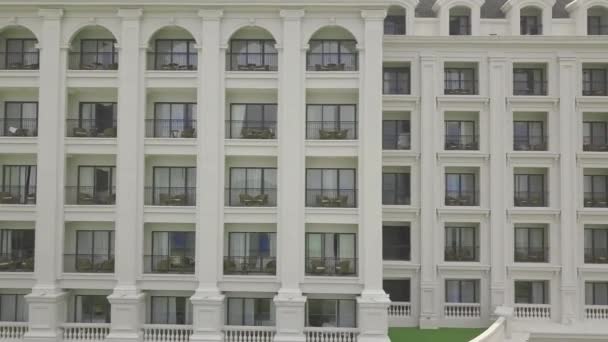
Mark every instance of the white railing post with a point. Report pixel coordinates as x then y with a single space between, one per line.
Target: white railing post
12 331
248 333
85 332
596 311
331 334
166 332
400 309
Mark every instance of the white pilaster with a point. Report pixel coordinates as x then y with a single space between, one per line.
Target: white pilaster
47 302
289 302
208 302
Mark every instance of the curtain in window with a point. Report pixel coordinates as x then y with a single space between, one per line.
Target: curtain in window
452 291
347 309
346 245
469 292
538 292
314 246
237 116
8 308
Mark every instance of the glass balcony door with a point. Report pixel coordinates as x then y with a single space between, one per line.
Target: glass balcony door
91 309
460 189
174 185
531 292
331 187
594 82
396 135
16 243
530 25
250 312
462 291
596 190
252 186
331 253
251 253
528 81
398 290
337 313
98 54
13 308
172 252
396 81
596 293
253 121
460 135
530 244
596 245
96 185
174 120
529 190
331 121
528 135
96 119
396 188
21 54
170 310
460 81
461 244
332 55
396 243
460 25
175 54
19 184
252 55
595 136
94 251
20 118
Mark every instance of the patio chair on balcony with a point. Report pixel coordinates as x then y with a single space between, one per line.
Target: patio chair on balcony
105 266
317 266
270 267
109 132
84 265
8 198
253 201
344 267
85 198
326 201
326 134
229 266
172 200
7 264
187 133
257 133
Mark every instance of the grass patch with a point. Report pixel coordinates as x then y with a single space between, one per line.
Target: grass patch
429 335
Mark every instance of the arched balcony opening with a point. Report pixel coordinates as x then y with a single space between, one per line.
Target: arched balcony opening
597 20
394 23
252 49
460 21
530 21
332 48
93 48
172 48
18 49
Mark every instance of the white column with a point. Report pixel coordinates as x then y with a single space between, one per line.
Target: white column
373 302
289 302
475 20
126 300
429 71
499 143
208 302
570 194
47 301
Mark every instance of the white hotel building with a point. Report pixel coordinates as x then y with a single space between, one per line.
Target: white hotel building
257 171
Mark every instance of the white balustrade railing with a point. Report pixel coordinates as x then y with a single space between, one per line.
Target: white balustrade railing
462 310
532 311
331 334
400 309
495 333
93 332
233 333
596 311
12 331
167 332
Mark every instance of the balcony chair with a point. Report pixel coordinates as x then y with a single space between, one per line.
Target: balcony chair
229 266
80 132
8 198
7 264
328 134
187 133
105 266
84 265
257 133
253 201
317 266
344 267
163 265
331 202
85 198
109 132
270 267
30 198
172 200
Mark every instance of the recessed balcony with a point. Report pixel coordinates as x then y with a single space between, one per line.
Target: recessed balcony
17 250
19 184
19 49
93 48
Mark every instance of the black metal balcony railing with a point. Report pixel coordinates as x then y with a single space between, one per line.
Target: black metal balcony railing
394 27
170 128
17 194
460 87
327 61
530 30
530 199
89 195
250 265
596 255
172 61
19 60
530 143
236 61
461 253
12 262
530 87
331 198
322 266
395 197
25 127
595 199
88 263
324 130
251 197
595 30
91 128
93 61
461 142
180 264
401 141
170 196
531 254
399 252
396 87
251 129
461 198
595 144
595 88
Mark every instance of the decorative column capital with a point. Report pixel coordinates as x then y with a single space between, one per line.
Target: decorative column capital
130 13
373 14
51 13
211 14
292 14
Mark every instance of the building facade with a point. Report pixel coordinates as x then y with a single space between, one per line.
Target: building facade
301 171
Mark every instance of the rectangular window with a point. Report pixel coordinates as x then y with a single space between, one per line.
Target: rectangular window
528 81
331 253
98 118
13 308
461 244
21 54
460 81
595 136
396 243
594 82
596 245
531 292
17 243
394 25
396 135
529 136
530 25
252 186
529 190
91 309
460 25
460 189
396 188
98 54
19 184
331 313
170 310
174 186
594 25
332 55
250 312
251 253
331 187
398 290
396 81
252 121
530 244
331 122
175 54
596 293
96 185
595 190
462 291
460 135
174 120
252 55
20 118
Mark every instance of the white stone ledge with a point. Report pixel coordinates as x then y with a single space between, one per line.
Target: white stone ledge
532 158
251 147
19 78
463 212
399 157
250 283
171 79
332 80
252 80
332 215
592 159
591 103
332 148
17 280
92 79
90 213
88 146
393 268
462 102
533 269
250 215
18 212
88 281
342 285
463 157
399 213
463 268
15 145
169 214
533 215
170 146
168 282
400 102
544 103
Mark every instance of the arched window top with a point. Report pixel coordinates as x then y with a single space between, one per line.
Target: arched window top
93 47
252 48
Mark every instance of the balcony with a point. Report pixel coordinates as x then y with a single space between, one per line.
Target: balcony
79 332
93 61
257 265
29 60
596 255
17 263
251 197
330 334
596 199
331 130
88 263
461 253
461 198
530 87
18 194
166 332
170 128
400 309
530 143
462 310
396 252
91 128
460 87
173 61
250 61
174 264
531 254
13 331
345 61
19 127
532 311
596 312
595 88
170 196
89 195
233 333
250 129
394 24
331 198
530 199
325 266
595 144
461 142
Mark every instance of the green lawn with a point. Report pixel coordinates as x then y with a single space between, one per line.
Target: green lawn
428 335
